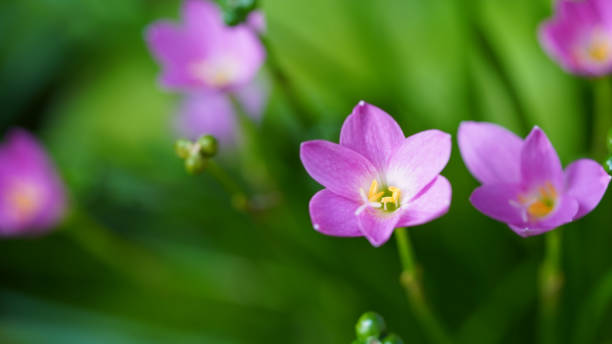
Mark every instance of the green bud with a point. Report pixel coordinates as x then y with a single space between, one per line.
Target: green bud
208 146
195 164
608 164
183 148
392 338
370 324
236 11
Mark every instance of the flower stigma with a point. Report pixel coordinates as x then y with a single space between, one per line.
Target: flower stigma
388 199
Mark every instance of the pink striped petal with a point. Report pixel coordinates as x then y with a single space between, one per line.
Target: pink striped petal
371 132
334 215
586 181
340 169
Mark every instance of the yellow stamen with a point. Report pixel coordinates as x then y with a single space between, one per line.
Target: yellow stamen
599 51
544 202
24 199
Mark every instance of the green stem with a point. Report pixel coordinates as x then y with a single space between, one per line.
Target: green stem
412 284
551 281
239 197
285 85
602 120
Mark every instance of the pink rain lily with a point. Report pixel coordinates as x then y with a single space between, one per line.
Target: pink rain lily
524 184
31 193
204 53
376 179
579 37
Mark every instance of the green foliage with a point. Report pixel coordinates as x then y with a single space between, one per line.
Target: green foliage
163 257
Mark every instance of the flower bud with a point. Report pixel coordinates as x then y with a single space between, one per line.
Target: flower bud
208 146
369 325
195 164
392 338
236 11
183 148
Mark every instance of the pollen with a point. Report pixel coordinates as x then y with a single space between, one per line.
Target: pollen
388 199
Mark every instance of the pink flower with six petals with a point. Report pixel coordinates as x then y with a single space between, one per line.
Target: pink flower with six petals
376 179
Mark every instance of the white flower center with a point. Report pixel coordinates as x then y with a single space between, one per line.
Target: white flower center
216 72
387 200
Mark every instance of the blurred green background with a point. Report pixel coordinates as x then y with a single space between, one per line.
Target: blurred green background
151 255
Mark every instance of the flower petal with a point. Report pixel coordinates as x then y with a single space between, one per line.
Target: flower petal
586 181
540 162
431 203
334 215
371 132
208 113
340 169
491 152
564 213
174 49
419 159
496 201
376 226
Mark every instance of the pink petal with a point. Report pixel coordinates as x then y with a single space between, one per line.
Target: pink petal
539 162
586 181
430 204
371 132
496 201
340 169
417 161
490 152
377 226
334 215
208 113
174 50
203 17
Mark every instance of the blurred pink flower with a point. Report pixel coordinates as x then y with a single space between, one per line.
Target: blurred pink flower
524 184
32 196
213 113
579 36
204 53
376 179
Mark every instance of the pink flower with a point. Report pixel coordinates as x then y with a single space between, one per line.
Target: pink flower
31 193
203 53
376 179
524 184
579 37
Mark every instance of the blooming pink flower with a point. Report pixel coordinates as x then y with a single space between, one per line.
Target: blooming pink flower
203 52
31 193
376 179
524 184
579 37
213 113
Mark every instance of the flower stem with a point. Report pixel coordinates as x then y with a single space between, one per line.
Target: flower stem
602 119
411 282
551 280
284 83
238 197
